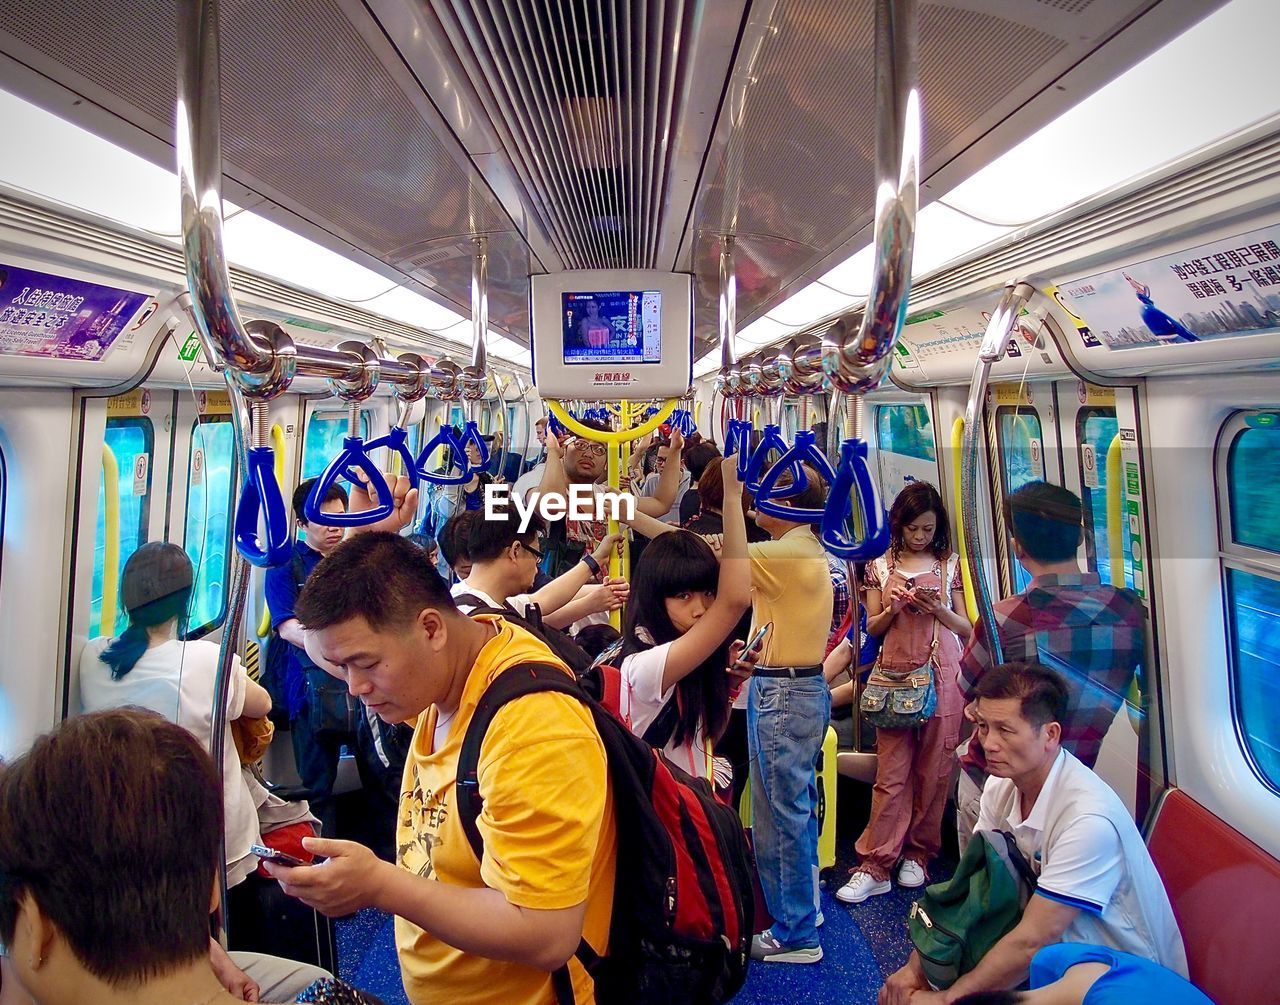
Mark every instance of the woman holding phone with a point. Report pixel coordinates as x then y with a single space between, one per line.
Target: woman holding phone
675 653
915 603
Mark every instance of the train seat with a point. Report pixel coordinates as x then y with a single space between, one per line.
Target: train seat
1225 891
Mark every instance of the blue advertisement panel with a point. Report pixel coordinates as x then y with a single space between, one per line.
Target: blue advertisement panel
1225 289
59 318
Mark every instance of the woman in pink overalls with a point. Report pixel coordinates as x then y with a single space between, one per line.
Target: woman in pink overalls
919 620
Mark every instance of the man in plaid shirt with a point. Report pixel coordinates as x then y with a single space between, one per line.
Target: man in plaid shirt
1094 635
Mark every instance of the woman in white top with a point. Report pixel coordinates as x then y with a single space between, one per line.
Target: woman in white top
150 666
684 606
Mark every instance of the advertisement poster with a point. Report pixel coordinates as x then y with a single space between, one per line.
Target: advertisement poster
1226 289
43 315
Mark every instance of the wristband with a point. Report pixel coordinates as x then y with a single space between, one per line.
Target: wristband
592 564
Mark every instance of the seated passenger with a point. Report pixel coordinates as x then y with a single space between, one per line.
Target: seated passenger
150 666
675 652
1093 634
1072 973
109 851
915 604
504 565
1097 883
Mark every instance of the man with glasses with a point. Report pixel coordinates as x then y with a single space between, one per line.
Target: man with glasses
504 562
583 462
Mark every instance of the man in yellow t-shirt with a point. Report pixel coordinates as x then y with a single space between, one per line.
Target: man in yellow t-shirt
467 930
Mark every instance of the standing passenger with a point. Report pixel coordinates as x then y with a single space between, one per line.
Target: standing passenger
914 602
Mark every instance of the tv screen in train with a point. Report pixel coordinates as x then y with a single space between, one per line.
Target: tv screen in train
615 326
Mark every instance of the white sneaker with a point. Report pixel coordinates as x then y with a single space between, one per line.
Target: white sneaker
821 919
911 875
862 885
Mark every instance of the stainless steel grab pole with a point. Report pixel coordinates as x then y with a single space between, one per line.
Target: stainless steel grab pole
856 361
991 350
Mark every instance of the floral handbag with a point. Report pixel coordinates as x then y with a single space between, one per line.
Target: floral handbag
901 699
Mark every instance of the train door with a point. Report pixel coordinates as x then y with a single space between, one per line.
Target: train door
124 468
1022 430
906 445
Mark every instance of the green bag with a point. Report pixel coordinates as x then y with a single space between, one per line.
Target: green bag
957 922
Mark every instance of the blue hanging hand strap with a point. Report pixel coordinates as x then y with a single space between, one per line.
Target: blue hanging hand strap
682 420
397 442
804 451
773 443
260 497
556 427
737 442
345 465
455 456
471 434
853 485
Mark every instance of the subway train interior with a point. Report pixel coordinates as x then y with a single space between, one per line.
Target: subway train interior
973 243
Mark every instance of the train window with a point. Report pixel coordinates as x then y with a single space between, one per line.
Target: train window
1098 428
906 430
209 485
1254 605
4 485
1021 444
323 442
1253 594
128 450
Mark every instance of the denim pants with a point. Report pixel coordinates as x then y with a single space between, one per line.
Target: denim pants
786 721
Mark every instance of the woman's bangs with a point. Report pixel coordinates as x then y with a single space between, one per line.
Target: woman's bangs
682 562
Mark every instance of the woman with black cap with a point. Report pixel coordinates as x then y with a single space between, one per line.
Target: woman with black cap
150 665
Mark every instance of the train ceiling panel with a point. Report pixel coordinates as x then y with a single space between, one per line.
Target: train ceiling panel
580 133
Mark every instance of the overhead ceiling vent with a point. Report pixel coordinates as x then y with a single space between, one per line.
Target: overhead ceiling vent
586 95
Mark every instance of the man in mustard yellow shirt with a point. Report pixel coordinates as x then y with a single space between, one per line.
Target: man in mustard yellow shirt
467 931
788 705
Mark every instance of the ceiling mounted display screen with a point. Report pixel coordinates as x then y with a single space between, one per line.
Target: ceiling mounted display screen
612 333
612 326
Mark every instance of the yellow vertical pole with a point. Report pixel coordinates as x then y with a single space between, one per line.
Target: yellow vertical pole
966 577
614 454
110 540
625 464
1115 512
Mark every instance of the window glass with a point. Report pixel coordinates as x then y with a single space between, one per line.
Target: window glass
323 442
906 429
1253 472
1098 427
1021 442
209 485
130 442
1254 603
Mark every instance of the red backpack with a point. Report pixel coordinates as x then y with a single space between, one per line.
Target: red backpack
683 904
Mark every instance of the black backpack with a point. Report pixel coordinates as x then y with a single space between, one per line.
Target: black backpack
683 900
574 656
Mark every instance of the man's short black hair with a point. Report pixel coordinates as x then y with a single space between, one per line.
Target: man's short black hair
1043 692
490 537
336 491
454 536
698 456
378 576
1046 520
814 495
112 824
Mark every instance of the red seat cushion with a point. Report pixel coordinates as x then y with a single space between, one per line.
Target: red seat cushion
1225 892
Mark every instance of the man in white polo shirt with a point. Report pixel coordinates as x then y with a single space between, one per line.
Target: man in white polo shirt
1097 883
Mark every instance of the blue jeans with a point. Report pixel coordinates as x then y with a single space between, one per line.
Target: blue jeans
786 721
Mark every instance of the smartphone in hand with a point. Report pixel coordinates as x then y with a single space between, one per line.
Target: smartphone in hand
278 857
754 644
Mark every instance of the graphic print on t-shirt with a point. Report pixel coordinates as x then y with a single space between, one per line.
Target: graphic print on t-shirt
422 815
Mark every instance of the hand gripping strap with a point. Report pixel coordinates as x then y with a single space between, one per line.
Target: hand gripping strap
737 441
456 457
854 485
261 496
353 457
682 420
804 451
771 442
397 442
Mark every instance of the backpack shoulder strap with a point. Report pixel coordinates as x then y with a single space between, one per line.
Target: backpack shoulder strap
513 683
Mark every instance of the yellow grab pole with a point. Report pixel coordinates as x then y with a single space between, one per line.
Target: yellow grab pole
957 444
111 540
277 448
1115 512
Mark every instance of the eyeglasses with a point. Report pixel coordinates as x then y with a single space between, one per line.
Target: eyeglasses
589 447
537 555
